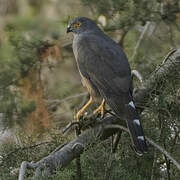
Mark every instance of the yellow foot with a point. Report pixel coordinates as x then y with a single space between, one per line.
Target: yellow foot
79 113
100 108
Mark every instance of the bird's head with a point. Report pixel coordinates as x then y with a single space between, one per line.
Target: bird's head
81 24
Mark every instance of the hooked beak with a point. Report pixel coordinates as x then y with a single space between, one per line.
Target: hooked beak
68 29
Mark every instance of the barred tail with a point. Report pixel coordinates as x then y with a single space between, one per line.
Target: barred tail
135 128
128 112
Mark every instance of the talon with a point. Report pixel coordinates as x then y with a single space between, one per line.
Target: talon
100 108
79 113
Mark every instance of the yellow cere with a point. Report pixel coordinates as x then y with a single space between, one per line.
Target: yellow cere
77 24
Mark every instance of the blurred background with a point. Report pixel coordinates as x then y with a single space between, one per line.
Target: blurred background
41 90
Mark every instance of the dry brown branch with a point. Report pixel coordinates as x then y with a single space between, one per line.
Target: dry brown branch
110 125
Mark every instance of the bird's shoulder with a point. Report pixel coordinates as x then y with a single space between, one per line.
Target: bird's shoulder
99 44
99 48
93 39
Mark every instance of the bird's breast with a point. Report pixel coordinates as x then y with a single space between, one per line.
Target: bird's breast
75 50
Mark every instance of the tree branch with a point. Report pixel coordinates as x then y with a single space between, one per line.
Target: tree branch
162 150
151 85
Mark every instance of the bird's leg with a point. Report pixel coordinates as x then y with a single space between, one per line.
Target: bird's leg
84 107
100 108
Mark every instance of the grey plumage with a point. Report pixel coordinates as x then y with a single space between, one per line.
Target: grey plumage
104 64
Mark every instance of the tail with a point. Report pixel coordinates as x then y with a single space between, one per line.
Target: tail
135 128
128 112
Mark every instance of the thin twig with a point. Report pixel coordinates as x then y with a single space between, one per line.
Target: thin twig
140 39
168 55
164 152
67 98
23 148
69 126
59 101
151 142
116 141
154 164
137 74
167 167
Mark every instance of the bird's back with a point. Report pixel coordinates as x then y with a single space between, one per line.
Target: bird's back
105 65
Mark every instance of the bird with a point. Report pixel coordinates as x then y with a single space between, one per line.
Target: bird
105 70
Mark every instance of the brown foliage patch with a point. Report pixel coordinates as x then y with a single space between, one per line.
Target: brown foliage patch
33 87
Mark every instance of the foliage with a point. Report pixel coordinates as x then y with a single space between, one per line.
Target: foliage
23 93
16 67
11 155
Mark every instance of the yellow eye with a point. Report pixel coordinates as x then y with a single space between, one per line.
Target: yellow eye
77 24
